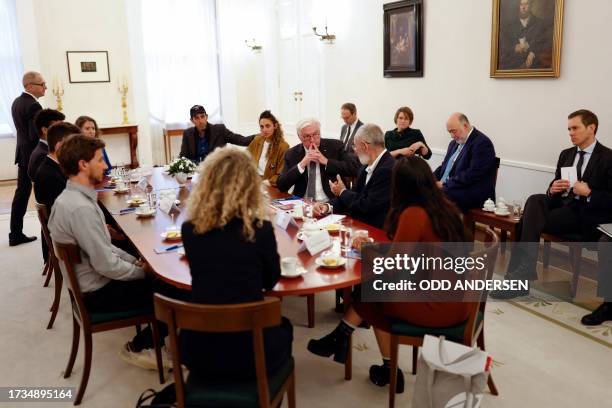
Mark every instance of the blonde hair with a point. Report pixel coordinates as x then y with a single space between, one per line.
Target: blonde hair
228 187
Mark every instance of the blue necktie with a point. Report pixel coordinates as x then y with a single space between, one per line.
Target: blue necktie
449 164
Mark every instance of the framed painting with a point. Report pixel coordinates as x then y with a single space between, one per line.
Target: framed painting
403 39
88 66
526 38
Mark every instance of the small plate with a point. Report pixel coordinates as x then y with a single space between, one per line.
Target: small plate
145 213
181 251
164 235
135 202
484 209
299 272
121 190
319 262
502 214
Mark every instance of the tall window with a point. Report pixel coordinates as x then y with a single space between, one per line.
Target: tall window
10 65
180 45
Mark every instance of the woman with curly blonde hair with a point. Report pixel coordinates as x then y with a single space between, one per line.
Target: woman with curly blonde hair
268 148
233 258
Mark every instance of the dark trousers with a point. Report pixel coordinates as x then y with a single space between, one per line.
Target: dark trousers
118 296
542 214
604 268
20 201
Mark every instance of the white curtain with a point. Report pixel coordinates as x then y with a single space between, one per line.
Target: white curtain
11 68
180 46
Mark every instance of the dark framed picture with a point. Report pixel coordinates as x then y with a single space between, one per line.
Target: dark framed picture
88 66
526 38
403 39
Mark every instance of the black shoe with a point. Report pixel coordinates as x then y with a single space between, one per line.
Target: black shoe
380 375
20 239
508 294
599 315
333 343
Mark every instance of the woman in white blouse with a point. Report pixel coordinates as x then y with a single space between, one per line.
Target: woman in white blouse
268 148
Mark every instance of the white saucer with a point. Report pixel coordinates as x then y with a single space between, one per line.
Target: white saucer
121 190
322 264
299 272
163 235
133 202
145 213
484 209
503 214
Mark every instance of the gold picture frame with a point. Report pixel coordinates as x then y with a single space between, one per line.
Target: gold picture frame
526 38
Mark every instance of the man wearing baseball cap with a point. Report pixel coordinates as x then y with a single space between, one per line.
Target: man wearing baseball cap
204 137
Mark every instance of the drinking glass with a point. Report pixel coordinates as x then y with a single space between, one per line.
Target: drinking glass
517 210
308 208
152 199
346 233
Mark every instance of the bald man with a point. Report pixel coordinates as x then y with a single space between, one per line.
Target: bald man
467 173
24 108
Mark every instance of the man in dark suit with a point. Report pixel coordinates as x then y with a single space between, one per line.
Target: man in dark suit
368 200
348 113
566 209
23 110
49 179
322 158
204 137
467 173
42 121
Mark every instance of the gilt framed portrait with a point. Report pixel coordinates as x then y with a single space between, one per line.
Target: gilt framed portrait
526 38
403 39
88 66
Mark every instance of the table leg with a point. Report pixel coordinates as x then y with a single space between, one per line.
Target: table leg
133 149
311 306
346 297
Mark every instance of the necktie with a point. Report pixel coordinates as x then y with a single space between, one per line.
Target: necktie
449 164
579 164
347 135
312 180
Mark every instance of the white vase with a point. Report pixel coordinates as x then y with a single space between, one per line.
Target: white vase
181 178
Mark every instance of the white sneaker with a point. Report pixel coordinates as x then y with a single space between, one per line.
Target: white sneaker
143 359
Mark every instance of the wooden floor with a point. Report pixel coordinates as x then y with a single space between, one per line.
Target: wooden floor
7 191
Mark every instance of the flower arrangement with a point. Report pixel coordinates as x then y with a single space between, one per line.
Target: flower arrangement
181 165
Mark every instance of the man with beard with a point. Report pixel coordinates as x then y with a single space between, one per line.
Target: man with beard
524 40
369 199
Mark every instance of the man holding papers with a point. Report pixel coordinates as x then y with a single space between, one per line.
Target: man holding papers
368 201
577 201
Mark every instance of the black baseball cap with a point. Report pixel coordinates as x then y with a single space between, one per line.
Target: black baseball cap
196 109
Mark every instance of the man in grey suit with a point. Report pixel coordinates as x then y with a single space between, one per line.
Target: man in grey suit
24 108
348 113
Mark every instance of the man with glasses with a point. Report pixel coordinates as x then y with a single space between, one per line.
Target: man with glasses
311 165
204 137
24 108
467 173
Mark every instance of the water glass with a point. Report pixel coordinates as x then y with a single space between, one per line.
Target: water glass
517 211
346 233
152 199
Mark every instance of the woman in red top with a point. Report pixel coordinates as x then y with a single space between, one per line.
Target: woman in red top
419 212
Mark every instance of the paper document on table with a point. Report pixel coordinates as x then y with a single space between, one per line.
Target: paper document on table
569 173
330 219
283 219
606 229
316 242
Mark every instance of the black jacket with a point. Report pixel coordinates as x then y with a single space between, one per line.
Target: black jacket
348 141
37 157
369 203
49 182
221 277
339 162
24 108
218 136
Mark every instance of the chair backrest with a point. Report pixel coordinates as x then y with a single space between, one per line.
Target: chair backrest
489 252
252 316
174 132
43 217
70 254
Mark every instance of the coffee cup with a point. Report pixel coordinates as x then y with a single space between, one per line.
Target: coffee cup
289 265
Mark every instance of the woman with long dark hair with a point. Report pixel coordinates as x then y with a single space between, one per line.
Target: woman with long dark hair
268 148
89 127
419 212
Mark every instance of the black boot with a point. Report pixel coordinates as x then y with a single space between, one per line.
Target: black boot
599 315
335 343
381 375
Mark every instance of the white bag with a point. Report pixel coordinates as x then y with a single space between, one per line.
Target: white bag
450 375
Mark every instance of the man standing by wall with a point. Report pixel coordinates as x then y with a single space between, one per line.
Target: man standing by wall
348 113
24 109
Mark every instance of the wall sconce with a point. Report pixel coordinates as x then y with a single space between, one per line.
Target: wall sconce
329 38
253 45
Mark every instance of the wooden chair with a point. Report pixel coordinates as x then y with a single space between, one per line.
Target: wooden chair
96 322
52 266
168 135
253 317
575 254
468 332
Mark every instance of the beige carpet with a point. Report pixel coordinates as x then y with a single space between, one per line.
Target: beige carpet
538 363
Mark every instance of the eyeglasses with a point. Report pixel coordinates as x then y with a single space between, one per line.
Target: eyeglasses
363 141
43 84
311 136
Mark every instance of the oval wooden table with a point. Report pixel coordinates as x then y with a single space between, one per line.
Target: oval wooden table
171 267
